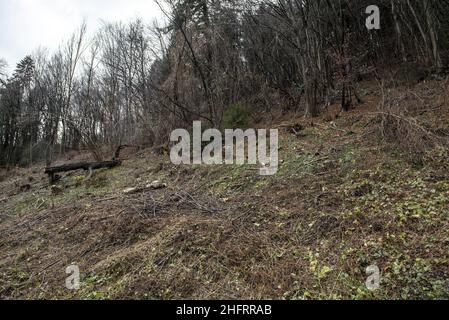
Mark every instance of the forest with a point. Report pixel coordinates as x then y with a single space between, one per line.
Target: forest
213 61
355 94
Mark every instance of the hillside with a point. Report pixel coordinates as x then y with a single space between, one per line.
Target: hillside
344 198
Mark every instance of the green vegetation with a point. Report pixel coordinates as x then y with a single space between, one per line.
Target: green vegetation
236 117
337 205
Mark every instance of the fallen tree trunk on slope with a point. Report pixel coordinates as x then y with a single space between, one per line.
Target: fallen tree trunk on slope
87 166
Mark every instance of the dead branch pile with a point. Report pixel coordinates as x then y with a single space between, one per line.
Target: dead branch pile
405 132
174 202
394 125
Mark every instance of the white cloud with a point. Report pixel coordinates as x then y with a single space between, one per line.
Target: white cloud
28 24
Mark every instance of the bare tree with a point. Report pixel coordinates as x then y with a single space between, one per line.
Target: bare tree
3 67
136 81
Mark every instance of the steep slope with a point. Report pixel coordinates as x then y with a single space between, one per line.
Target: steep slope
342 200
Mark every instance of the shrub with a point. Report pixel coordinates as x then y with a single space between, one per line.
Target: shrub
235 117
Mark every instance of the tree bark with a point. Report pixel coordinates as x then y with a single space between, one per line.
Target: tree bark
88 166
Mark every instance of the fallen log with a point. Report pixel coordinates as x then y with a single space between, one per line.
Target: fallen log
87 166
155 185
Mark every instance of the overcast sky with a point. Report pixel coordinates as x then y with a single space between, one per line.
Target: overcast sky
28 24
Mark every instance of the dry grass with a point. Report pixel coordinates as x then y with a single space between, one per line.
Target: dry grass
338 204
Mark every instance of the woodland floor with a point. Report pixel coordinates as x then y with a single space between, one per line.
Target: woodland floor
341 201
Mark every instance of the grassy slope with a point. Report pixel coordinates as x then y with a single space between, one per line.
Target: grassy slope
340 203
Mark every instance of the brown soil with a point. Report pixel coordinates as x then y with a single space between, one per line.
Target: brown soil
341 201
